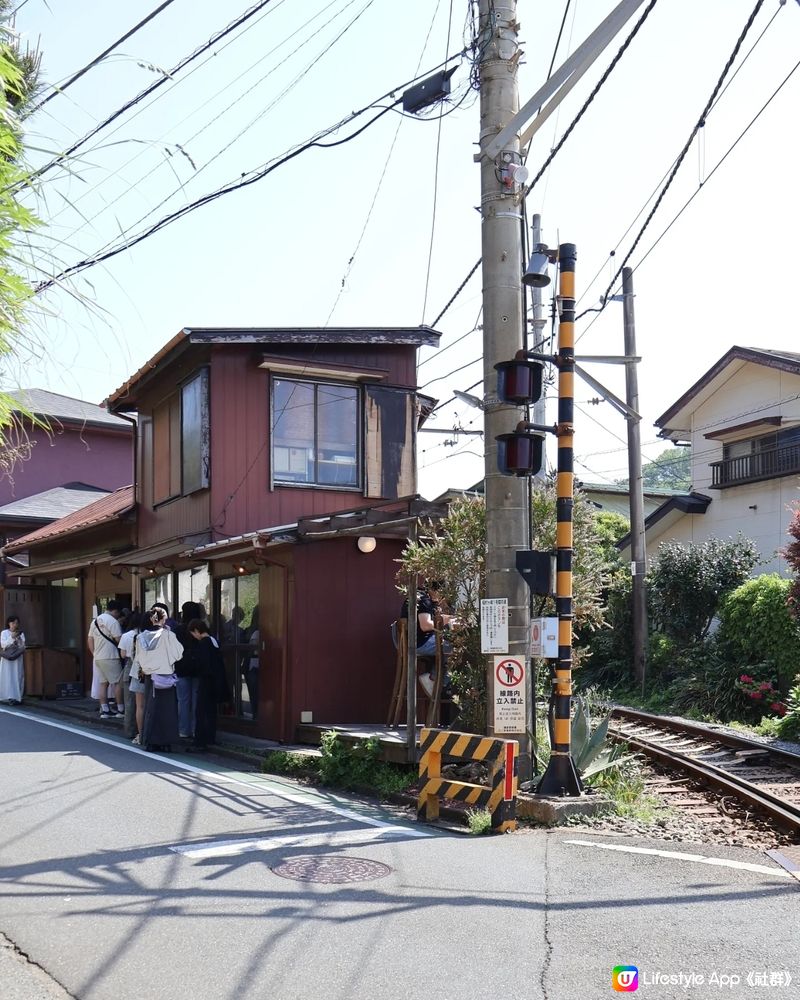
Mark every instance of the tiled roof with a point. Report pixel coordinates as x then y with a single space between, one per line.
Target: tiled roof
66 409
50 505
107 508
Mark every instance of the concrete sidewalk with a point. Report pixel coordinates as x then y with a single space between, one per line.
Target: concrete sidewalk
86 711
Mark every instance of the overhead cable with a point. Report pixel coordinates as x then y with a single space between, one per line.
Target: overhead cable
554 152
245 180
60 88
167 77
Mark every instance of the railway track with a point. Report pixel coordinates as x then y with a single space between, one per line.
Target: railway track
760 777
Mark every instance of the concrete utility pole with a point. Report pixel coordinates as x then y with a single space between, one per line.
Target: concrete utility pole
638 551
538 323
506 497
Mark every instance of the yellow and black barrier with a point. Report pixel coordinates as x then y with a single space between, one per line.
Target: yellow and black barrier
499 797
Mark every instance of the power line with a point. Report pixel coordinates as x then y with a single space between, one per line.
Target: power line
681 156
181 187
59 89
719 163
149 90
245 181
554 152
436 174
217 116
652 195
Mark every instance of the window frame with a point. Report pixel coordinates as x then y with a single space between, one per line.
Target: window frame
168 418
315 384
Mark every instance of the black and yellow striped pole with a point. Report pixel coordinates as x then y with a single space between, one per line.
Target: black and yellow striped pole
561 776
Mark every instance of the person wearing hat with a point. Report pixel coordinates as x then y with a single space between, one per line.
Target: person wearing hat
103 642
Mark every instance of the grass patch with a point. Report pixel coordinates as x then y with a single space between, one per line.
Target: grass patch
479 821
626 789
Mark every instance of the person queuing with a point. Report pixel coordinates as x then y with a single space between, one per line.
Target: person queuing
212 681
188 679
103 642
132 687
12 671
157 651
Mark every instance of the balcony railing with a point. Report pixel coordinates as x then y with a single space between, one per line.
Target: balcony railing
768 464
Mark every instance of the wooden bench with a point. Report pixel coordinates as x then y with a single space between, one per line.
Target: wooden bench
435 666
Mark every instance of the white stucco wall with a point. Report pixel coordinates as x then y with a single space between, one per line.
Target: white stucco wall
759 510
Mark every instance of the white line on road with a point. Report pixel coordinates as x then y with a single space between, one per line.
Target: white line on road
341 838
325 802
700 859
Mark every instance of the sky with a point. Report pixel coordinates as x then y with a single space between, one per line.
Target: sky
381 230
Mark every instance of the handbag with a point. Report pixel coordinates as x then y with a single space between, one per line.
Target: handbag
164 681
13 650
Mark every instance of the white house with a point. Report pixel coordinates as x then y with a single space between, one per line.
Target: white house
742 420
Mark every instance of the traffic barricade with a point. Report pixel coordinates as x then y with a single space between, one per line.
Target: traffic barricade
499 796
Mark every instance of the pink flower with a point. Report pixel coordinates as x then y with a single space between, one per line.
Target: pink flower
745 679
779 707
765 686
756 695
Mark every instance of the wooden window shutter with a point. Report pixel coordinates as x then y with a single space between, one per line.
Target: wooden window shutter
389 443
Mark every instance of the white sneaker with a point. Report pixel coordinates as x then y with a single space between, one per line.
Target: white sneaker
107 714
426 680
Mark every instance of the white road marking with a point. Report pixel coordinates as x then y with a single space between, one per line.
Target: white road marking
325 802
700 859
340 838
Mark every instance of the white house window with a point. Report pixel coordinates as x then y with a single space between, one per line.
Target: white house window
315 433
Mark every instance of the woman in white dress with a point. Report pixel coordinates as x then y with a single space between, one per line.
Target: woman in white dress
12 669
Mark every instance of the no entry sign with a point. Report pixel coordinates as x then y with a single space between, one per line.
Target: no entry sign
510 704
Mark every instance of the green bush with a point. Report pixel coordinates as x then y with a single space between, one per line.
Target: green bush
757 627
687 583
295 765
357 765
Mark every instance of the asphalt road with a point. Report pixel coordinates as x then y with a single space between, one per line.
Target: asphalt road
131 876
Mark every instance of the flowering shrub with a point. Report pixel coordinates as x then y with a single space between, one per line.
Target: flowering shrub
763 692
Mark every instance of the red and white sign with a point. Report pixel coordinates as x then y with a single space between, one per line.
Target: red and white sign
510 702
544 637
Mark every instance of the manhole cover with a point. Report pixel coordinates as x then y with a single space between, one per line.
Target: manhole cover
330 868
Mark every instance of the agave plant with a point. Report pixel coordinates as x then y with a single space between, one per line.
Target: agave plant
591 749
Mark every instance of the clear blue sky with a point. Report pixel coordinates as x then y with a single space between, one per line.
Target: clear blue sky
279 252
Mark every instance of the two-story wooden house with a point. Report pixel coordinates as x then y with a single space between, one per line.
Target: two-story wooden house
275 479
742 420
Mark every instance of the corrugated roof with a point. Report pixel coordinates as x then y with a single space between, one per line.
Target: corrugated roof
50 505
66 409
109 507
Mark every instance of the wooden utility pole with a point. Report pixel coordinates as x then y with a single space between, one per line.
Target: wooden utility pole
506 498
638 550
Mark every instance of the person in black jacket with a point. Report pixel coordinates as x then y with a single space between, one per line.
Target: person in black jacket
213 687
184 668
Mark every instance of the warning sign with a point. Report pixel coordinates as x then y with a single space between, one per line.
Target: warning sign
494 625
510 705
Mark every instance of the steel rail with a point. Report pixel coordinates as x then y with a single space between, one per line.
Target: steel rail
702 731
784 813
